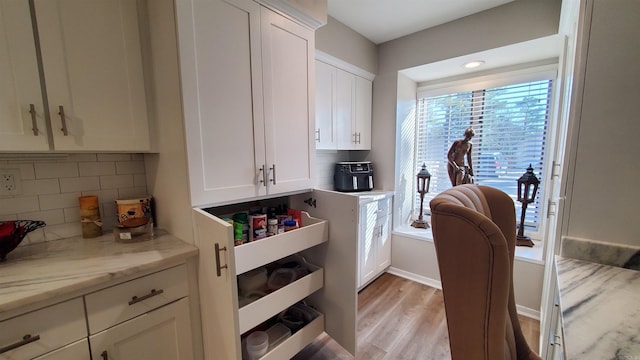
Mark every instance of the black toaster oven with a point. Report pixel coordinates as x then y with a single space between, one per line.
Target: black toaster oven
353 176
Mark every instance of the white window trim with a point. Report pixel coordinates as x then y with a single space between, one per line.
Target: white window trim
536 73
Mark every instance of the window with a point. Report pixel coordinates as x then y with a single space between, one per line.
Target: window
511 131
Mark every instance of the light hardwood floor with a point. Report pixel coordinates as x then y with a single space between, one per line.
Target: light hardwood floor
399 319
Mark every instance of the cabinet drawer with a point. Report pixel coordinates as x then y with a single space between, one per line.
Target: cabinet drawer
264 308
257 253
291 346
35 333
124 301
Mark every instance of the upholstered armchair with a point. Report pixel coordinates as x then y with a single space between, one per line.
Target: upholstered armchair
474 229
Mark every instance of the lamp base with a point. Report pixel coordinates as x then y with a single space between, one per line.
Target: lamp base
523 241
420 224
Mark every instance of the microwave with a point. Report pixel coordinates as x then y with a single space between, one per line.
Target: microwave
350 176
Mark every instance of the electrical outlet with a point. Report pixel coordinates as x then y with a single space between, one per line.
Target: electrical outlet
10 182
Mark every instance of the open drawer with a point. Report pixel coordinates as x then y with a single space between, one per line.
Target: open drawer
271 304
258 253
296 342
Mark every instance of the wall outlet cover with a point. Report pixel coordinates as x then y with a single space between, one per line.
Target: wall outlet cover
10 182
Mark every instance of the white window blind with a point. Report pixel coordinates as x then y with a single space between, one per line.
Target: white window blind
510 124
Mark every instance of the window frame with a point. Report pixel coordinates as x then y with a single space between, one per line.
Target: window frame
505 78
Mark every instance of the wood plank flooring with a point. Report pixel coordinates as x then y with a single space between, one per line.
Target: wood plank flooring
399 319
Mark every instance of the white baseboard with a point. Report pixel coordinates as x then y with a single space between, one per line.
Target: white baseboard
522 310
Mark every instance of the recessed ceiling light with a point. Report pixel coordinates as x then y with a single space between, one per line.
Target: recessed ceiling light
473 64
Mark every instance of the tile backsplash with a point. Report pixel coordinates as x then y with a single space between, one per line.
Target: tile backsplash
49 187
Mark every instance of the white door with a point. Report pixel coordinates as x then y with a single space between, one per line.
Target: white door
362 119
164 333
94 75
325 110
220 60
287 58
78 350
19 82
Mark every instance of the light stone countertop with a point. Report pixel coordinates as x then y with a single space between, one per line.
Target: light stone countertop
600 310
38 272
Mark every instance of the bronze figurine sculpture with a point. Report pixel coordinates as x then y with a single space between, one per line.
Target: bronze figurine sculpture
459 173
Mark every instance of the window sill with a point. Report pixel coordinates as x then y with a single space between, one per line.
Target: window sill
528 254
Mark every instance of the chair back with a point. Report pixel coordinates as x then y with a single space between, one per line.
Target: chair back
474 229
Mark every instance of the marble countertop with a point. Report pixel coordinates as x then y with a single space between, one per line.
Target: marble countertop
600 310
37 272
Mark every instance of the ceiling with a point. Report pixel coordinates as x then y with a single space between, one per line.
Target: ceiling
384 20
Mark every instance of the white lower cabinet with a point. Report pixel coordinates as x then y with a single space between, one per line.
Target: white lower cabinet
164 333
374 238
327 288
144 318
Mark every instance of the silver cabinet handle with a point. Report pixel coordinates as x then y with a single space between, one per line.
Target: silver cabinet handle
34 123
153 293
358 138
63 119
27 339
273 180
218 266
318 135
355 138
263 181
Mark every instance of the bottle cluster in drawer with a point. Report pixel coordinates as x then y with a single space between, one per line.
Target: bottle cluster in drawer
258 253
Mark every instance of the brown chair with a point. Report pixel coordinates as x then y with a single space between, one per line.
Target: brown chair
474 230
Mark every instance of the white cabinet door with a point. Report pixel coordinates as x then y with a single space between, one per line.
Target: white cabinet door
367 243
362 118
93 73
19 82
221 76
78 350
345 111
287 67
218 286
383 244
325 110
164 333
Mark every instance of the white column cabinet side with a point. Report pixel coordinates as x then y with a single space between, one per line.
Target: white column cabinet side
374 239
325 106
91 56
164 333
21 129
235 58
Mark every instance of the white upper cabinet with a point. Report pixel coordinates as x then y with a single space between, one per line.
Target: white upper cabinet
343 106
22 121
245 82
92 74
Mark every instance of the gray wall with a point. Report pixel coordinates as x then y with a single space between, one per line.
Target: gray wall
338 40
